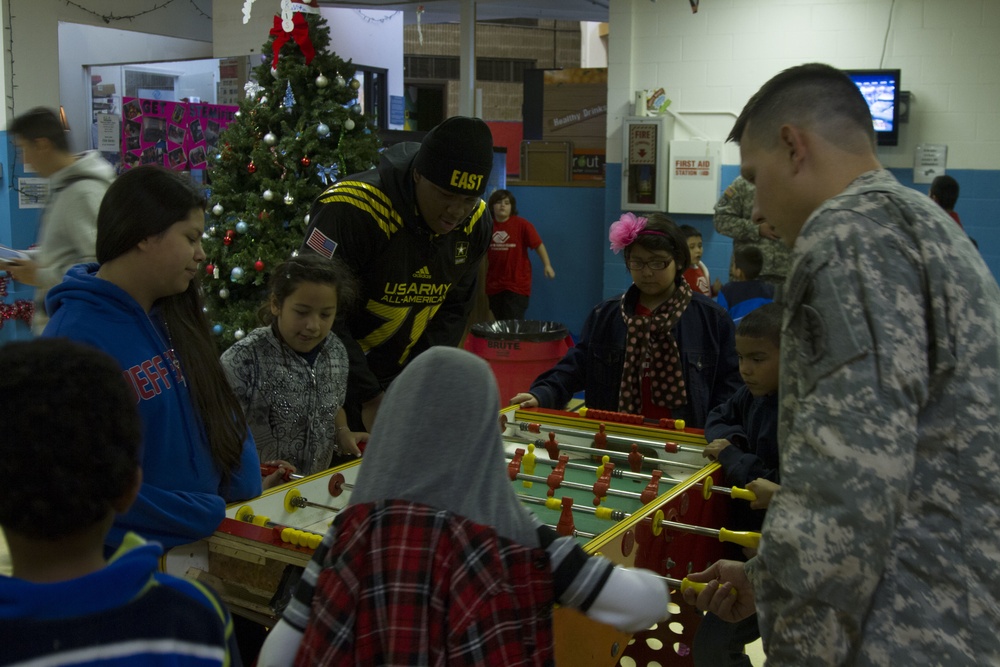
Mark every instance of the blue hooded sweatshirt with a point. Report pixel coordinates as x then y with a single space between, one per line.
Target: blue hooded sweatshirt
182 498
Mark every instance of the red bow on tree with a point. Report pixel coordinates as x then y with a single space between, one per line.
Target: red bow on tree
300 34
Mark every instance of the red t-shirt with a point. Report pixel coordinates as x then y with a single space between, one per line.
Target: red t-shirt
697 278
509 266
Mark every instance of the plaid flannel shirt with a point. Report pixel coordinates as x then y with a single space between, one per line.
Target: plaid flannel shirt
398 583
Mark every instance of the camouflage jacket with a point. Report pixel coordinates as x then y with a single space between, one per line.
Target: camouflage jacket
883 545
733 219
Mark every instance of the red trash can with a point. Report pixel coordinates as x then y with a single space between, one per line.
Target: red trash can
518 351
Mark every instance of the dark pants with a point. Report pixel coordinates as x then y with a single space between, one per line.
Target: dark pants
508 305
718 643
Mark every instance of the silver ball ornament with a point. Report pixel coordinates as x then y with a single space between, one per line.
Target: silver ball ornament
323 130
322 81
239 334
306 218
340 81
217 209
238 114
268 195
236 273
223 293
242 227
348 124
356 108
270 139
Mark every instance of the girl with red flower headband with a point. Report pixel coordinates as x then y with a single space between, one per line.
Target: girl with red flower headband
658 349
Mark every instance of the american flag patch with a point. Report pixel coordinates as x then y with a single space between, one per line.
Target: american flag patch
321 243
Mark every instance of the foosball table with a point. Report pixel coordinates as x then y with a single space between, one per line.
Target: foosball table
637 492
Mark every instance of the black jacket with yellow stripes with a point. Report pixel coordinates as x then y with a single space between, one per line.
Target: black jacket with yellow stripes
417 287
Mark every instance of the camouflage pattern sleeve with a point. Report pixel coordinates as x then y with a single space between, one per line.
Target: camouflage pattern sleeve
882 546
734 210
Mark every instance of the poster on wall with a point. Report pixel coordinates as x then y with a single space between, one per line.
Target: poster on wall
177 135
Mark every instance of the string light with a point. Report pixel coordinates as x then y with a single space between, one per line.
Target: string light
372 19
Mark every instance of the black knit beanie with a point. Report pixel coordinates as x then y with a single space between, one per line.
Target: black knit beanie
457 155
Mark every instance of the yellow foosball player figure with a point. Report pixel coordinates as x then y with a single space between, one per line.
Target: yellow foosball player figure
446 565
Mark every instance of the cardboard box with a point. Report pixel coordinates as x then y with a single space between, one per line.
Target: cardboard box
103 89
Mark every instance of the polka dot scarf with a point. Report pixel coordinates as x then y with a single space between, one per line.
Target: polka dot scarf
651 348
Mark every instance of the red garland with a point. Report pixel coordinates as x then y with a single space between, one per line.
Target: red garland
22 309
300 34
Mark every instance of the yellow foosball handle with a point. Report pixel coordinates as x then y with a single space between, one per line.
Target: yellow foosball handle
744 494
698 587
741 537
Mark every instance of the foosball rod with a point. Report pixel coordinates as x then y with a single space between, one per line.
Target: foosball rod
287 477
742 538
593 451
289 534
666 445
553 503
685 584
576 485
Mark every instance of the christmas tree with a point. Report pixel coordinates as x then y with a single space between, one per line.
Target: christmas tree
298 130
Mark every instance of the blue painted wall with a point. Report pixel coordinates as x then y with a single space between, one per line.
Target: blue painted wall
17 230
570 221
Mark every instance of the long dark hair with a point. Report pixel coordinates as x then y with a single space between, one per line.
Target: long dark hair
144 202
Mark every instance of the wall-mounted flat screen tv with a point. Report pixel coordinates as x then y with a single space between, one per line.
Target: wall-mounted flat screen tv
880 88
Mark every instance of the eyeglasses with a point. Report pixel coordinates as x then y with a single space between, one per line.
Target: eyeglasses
653 264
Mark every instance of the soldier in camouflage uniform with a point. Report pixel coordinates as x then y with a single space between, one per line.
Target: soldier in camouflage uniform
883 545
734 218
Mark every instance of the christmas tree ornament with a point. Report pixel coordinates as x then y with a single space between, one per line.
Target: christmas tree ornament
270 139
323 130
348 124
328 175
251 168
215 273
306 219
242 227
274 72
239 334
322 81
263 215
258 266
238 114
209 268
223 293
356 108
289 100
305 161
268 195
211 230
355 84
217 329
263 100
217 209
340 81
252 88
289 199
236 273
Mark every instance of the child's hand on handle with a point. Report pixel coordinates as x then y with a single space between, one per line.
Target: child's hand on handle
720 579
525 400
764 489
349 440
714 448
279 476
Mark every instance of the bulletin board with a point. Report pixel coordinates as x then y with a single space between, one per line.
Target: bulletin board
177 135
